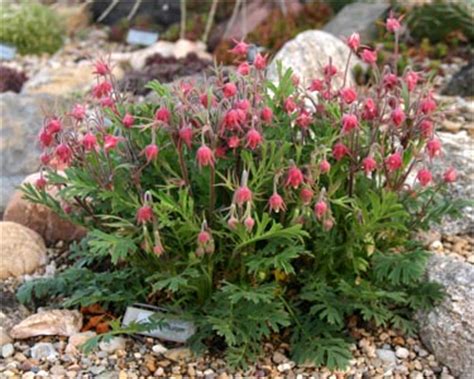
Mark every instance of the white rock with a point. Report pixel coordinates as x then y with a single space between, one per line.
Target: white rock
43 350
285 366
76 340
386 355
115 343
7 350
159 349
402 353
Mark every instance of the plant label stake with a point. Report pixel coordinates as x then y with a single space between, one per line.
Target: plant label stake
172 328
7 52
141 37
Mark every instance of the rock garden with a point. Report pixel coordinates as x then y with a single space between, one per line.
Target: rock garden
236 189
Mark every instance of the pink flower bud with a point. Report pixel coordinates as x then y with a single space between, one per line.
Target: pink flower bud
110 142
266 114
233 142
41 183
304 119
392 24
231 119
102 89
398 116
53 126
254 139
328 224
186 135
204 100
424 176
240 48
349 123
339 151
316 85
394 161
45 138
243 69
260 62
107 102
370 109
276 203
450 175
243 105
89 141
151 152
229 89
163 115
433 147
426 128
348 95
204 156
45 158
324 166
158 250
63 153
329 70
79 112
242 195
232 223
101 68
411 79
249 223
306 195
294 178
428 105
221 151
390 81
185 88
128 120
369 56
320 209
144 214
353 41
289 105
204 237
369 164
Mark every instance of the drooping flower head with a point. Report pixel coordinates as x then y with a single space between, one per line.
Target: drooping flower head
369 111
266 114
128 120
392 24
339 151
353 41
249 223
54 126
306 195
89 141
163 115
276 203
111 142
63 153
411 80
320 209
45 138
369 164
348 95
242 195
204 156
450 175
316 85
295 177
229 89
369 56
243 68
102 89
186 135
254 139
424 176
433 147
101 68
390 81
260 61
324 166
240 48
144 214
289 105
151 152
394 161
398 116
426 128
79 112
428 104
349 123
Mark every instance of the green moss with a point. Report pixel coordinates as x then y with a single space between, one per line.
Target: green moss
31 27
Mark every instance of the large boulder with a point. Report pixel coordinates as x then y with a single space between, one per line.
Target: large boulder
309 52
358 17
448 329
40 218
21 250
462 83
21 118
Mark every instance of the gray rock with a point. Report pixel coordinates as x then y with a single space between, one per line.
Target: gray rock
7 350
402 353
116 343
21 119
309 52
358 17
43 350
458 152
448 329
386 355
462 83
96 370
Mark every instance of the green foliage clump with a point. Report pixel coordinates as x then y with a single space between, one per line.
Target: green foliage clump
32 27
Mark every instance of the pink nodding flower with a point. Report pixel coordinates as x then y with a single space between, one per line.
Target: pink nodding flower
204 156
233 142
54 126
101 68
349 123
158 250
428 105
411 79
45 158
450 175
186 135
232 119
205 98
369 164
242 195
316 85
329 70
186 88
339 151
426 128
289 105
353 41
254 139
45 138
89 141
390 81
163 115
221 151
79 112
392 24
349 95
304 119
266 115
324 166
128 120
64 153
151 152
369 56
232 223
276 203
306 195
243 105
243 69
249 223
260 61
107 102
394 161
294 178
320 209
41 183
204 237
229 90
240 48
110 142
398 116
370 109
424 176
102 89
328 224
433 147
144 214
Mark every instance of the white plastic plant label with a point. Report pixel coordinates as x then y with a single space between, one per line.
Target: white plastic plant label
141 37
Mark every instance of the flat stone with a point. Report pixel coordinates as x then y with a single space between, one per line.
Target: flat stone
402 353
7 350
386 355
114 344
43 350
178 354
